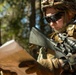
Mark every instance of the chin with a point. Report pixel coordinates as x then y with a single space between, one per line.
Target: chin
60 30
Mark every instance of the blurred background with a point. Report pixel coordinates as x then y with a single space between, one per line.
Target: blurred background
17 17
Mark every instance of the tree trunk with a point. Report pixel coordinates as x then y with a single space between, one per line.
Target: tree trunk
41 19
32 16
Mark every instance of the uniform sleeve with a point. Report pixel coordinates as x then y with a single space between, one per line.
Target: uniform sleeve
47 59
74 32
71 30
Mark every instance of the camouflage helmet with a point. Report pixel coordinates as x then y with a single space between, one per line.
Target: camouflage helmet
50 3
63 4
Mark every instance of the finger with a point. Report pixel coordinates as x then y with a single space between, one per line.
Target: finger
28 63
31 70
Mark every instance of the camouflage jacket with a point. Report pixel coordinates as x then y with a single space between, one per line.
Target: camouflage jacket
49 54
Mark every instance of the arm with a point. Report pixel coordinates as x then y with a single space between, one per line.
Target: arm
38 38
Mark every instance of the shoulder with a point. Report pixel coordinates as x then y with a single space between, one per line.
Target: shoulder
71 30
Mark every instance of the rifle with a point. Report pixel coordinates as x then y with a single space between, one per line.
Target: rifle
71 43
61 50
38 38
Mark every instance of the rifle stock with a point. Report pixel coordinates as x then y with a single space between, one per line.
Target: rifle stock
38 38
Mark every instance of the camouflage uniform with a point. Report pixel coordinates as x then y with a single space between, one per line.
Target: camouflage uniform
46 55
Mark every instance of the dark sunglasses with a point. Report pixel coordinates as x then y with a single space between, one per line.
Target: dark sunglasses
54 17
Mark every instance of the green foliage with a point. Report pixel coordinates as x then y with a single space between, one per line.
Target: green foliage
12 25
10 21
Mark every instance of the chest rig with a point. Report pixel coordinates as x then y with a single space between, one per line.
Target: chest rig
68 44
66 39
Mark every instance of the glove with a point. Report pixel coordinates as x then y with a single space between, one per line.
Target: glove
52 64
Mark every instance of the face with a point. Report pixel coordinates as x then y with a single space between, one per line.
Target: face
55 19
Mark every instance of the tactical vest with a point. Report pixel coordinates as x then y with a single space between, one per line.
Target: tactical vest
70 31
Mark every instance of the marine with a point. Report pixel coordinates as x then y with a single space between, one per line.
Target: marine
61 17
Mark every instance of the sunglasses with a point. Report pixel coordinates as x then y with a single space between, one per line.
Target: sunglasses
54 17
